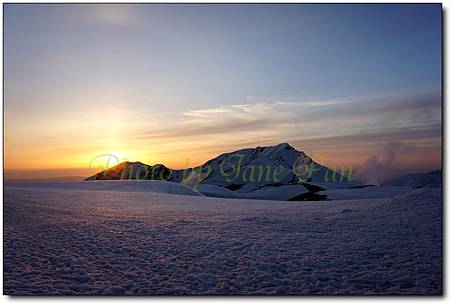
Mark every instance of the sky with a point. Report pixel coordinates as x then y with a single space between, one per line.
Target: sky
352 85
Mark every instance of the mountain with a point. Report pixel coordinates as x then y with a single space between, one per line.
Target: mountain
133 170
417 180
274 172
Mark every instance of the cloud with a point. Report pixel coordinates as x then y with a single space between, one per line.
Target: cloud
345 130
432 132
238 120
344 117
298 118
326 102
381 166
191 129
240 111
408 107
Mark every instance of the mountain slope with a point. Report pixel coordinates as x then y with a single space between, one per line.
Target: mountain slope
133 170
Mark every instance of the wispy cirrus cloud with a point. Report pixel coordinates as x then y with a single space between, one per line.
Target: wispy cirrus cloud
341 124
238 111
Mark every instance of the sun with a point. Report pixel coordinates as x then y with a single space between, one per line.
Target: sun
107 160
115 158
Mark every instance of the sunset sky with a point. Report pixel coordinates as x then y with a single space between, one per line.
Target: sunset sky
180 84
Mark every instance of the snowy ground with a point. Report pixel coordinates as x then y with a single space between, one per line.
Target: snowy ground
74 241
366 192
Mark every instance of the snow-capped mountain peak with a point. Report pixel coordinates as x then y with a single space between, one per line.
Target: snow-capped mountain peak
243 171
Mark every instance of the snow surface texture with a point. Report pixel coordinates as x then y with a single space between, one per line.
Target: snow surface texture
115 185
66 241
279 192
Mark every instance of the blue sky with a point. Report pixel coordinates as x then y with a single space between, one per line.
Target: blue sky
163 83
